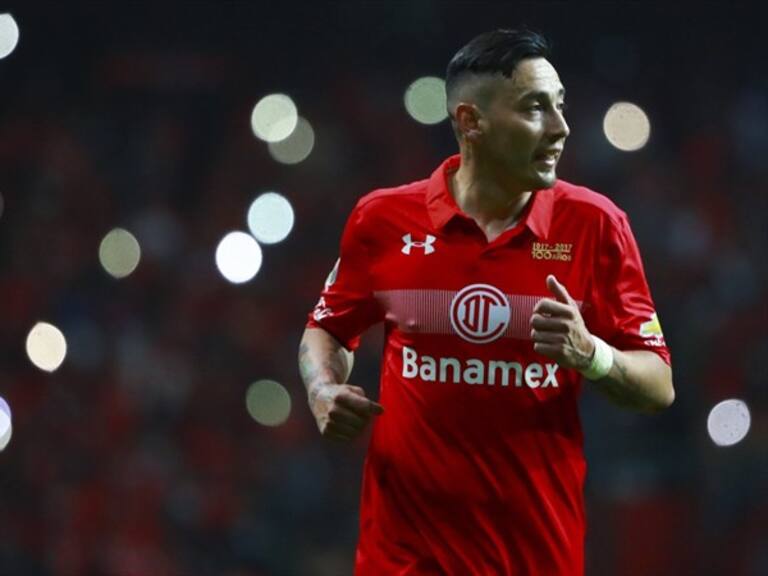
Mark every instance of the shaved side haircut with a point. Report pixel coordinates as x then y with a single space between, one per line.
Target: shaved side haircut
491 54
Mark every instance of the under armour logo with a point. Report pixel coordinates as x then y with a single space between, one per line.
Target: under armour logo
428 245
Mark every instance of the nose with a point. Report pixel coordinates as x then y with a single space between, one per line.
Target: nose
557 127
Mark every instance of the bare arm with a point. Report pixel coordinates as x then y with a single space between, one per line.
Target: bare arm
638 379
322 359
341 410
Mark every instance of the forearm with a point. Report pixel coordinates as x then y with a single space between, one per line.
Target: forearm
639 380
322 359
341 410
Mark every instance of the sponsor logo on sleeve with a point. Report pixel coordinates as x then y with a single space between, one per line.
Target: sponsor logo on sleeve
322 310
651 331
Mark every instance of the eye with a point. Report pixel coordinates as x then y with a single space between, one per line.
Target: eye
562 106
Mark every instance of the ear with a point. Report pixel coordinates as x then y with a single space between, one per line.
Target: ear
468 121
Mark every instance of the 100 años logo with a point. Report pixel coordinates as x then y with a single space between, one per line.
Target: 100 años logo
544 251
480 313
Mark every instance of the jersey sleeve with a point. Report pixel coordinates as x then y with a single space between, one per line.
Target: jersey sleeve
623 311
347 306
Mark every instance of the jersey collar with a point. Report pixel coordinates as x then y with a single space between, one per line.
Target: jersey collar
442 207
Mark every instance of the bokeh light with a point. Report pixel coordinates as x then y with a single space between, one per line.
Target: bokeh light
5 423
9 34
119 253
270 218
296 147
4 407
627 126
238 257
728 422
6 430
425 100
268 402
46 346
274 118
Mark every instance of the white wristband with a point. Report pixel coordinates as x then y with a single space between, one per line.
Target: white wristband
602 361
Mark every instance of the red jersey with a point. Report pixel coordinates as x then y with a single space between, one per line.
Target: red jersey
477 465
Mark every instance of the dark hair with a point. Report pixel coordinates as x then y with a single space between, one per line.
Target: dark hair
494 53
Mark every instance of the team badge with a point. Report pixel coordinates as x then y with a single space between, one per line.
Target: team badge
480 313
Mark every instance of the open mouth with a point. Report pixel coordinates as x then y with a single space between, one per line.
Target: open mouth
548 157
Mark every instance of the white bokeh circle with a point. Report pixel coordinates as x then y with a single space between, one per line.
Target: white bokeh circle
270 218
238 257
728 422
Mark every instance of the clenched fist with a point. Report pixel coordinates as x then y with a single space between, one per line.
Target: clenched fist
341 411
558 330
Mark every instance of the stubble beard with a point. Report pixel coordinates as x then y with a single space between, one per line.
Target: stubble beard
542 181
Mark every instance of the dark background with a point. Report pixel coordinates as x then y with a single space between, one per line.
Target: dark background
138 457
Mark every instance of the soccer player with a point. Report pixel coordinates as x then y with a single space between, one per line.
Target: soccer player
501 288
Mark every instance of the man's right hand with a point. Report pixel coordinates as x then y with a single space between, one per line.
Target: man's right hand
342 411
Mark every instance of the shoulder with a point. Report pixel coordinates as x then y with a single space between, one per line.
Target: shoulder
387 205
383 208
586 203
381 198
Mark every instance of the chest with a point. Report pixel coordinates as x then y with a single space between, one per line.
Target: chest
434 282
519 264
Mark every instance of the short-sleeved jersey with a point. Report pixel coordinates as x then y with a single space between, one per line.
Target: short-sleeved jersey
477 466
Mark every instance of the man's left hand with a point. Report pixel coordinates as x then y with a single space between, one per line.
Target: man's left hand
558 330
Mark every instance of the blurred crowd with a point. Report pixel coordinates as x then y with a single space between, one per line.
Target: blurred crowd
138 456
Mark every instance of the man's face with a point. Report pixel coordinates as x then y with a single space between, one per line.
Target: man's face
523 128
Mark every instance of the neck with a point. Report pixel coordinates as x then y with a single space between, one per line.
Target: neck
484 196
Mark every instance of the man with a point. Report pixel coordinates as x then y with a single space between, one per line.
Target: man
500 287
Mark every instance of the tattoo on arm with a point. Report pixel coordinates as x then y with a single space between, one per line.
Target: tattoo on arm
307 369
332 368
619 387
621 367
